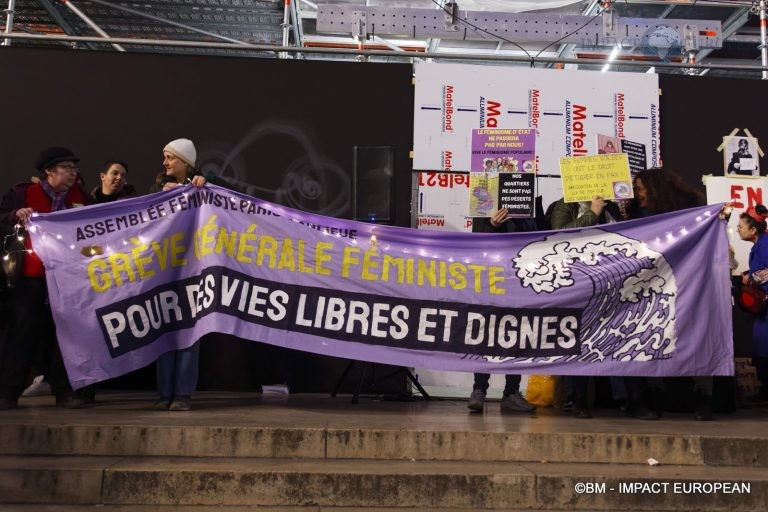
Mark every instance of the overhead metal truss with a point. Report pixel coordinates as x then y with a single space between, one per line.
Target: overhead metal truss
514 27
353 52
577 30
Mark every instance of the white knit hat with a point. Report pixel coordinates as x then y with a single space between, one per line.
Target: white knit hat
183 149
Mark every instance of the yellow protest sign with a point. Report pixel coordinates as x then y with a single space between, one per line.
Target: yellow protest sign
585 177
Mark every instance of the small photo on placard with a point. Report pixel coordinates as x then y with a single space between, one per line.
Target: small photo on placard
607 145
483 194
622 190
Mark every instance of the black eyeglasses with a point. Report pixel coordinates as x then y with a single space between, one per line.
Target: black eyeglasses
68 167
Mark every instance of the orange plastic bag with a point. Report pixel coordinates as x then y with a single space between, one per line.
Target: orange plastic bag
541 390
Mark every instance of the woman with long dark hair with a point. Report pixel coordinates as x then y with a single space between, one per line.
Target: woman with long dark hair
751 228
660 191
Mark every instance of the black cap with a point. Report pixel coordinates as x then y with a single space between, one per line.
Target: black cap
54 155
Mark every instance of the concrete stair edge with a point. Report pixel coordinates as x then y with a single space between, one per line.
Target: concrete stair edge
370 483
376 443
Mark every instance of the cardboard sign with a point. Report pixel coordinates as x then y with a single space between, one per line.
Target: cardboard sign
517 193
497 150
740 156
741 192
636 154
585 177
490 192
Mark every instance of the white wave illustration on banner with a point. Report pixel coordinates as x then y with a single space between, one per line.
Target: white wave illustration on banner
630 315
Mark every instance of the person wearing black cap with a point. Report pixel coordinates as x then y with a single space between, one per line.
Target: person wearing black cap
32 329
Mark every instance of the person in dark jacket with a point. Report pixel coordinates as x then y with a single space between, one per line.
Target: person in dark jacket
32 329
113 184
752 228
512 400
581 215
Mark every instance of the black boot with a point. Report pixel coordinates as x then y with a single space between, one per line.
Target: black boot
703 411
581 409
656 400
637 409
70 400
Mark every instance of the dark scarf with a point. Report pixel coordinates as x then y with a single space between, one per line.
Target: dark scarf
57 198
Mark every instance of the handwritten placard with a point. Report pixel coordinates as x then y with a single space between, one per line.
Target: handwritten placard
606 175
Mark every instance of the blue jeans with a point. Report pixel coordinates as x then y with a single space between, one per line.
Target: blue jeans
177 372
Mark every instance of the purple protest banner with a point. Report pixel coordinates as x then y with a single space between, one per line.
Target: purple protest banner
133 279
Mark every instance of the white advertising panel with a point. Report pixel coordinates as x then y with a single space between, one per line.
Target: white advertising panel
443 202
568 109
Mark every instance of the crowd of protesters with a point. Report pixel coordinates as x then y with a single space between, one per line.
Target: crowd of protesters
31 336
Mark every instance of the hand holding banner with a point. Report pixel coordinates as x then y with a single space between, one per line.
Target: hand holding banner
131 280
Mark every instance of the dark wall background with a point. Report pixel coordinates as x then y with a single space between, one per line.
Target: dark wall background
697 112
283 130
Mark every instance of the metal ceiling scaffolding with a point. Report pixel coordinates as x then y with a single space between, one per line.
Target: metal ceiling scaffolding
721 36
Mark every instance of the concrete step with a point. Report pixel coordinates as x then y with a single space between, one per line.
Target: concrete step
166 481
243 508
378 443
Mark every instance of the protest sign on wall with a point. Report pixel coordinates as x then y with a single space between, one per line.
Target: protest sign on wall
742 193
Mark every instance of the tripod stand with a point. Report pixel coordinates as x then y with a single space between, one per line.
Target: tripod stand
374 381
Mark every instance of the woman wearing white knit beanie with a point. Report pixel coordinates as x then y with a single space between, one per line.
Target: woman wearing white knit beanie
179 157
177 369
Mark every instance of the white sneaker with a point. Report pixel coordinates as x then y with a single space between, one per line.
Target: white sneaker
275 390
38 387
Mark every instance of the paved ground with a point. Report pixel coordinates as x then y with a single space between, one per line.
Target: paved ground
322 411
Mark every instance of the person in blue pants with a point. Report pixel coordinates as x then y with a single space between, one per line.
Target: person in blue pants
177 369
